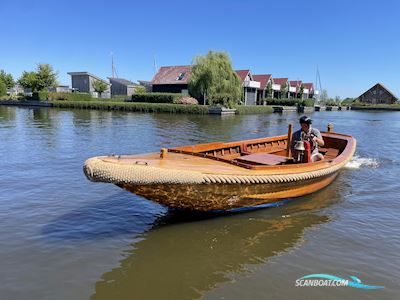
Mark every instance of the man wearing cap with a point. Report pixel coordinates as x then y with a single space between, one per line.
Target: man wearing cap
310 134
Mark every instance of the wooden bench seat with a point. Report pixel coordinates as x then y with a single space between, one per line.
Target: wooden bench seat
329 153
263 159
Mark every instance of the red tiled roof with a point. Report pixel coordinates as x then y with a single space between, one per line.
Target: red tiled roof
169 75
242 74
263 79
280 81
309 86
294 83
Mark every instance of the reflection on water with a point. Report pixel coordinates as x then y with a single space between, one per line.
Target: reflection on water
188 254
63 237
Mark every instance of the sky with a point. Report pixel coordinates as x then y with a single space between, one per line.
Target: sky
354 44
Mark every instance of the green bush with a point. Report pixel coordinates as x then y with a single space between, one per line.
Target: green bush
223 99
331 103
307 102
69 96
140 89
155 97
39 96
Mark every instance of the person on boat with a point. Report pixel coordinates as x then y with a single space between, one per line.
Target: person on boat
310 134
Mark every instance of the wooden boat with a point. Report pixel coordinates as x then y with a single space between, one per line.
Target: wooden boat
224 176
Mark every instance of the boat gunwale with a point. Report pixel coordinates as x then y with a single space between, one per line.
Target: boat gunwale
347 151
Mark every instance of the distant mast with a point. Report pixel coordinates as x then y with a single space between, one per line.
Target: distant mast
113 70
155 64
318 85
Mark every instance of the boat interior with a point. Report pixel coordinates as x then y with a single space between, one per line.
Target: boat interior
259 153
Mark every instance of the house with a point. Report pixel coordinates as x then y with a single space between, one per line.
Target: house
146 84
294 88
60 89
309 87
18 90
265 90
378 94
120 86
83 82
278 86
172 79
249 85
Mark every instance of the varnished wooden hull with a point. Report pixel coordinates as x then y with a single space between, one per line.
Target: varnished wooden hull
208 197
214 176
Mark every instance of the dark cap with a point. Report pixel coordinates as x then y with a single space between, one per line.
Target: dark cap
305 119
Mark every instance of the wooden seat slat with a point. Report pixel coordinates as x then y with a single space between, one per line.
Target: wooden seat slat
263 158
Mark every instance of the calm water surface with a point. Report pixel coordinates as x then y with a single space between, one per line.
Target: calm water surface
63 237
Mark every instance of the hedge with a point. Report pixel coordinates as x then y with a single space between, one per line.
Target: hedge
69 96
155 98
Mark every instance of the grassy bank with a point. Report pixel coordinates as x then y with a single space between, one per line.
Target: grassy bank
155 107
254 109
133 106
389 107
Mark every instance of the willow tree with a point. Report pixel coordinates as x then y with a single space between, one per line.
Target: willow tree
213 80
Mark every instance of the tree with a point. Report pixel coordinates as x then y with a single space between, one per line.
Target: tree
324 96
99 86
43 78
3 88
140 89
284 90
214 79
301 91
338 100
7 79
28 80
269 90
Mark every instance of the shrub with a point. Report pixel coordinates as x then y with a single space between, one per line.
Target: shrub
187 100
308 102
223 99
155 97
39 96
140 89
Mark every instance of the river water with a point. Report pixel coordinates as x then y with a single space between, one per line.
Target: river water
63 237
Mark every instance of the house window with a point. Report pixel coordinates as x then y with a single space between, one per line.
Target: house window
180 77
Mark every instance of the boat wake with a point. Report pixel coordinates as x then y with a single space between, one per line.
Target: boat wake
357 162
